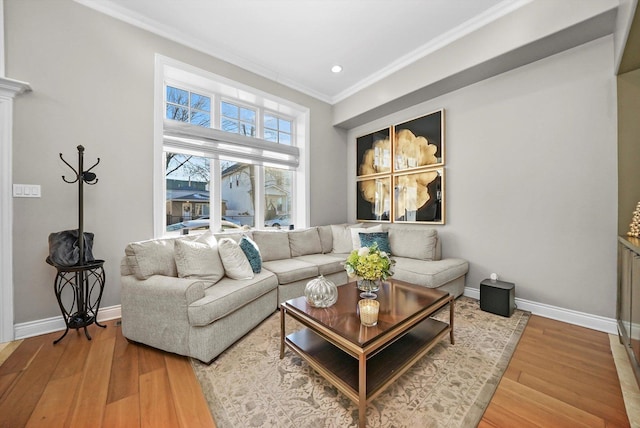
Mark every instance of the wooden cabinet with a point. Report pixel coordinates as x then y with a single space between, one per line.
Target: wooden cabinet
628 310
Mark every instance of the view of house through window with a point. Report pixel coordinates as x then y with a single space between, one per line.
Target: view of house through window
191 181
188 195
277 193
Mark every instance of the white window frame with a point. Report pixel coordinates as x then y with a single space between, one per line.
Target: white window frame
175 73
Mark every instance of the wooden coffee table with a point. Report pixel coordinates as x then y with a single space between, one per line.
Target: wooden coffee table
362 361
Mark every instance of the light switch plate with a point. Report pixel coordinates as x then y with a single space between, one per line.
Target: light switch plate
26 191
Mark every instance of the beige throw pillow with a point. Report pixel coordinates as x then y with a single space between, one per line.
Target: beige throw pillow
413 243
304 242
342 242
152 257
198 260
236 265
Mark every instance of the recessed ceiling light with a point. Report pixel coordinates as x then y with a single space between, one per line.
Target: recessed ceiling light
336 68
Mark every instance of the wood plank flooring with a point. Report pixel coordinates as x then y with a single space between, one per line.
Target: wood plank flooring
560 376
105 382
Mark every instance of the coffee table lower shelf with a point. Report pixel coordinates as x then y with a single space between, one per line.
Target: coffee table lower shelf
382 367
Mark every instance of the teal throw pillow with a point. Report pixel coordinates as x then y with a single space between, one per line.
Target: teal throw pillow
252 252
381 238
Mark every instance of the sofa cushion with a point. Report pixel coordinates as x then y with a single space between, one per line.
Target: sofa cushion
341 234
356 231
198 260
326 263
291 270
227 296
432 274
380 238
235 263
273 245
326 238
252 252
303 242
413 243
152 257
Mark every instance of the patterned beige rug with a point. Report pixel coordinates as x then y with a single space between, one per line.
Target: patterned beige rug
249 386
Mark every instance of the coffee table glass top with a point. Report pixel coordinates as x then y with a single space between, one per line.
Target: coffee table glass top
399 301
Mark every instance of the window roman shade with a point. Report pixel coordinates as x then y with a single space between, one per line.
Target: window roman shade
186 138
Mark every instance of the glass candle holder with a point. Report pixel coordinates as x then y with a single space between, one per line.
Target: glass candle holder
369 312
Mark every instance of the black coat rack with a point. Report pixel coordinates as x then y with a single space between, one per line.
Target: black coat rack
86 278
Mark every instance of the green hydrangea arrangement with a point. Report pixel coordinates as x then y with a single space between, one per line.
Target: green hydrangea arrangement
369 263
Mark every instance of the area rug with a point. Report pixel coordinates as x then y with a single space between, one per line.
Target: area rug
250 386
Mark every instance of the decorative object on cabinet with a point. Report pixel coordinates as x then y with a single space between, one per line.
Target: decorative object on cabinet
634 227
78 287
628 301
408 158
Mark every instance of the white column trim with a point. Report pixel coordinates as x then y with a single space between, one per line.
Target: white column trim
9 89
2 69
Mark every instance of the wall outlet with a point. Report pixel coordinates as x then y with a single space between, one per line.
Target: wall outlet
26 191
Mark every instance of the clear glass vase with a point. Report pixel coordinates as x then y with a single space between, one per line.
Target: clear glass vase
320 292
368 286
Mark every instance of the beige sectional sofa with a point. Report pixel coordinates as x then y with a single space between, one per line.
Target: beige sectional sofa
179 296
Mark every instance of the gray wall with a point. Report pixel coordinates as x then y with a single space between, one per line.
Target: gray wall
531 182
92 79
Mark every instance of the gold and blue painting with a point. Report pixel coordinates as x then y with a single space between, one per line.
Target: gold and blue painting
374 153
419 197
374 199
419 142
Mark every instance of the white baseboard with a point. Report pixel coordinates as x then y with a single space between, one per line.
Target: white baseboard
594 322
49 325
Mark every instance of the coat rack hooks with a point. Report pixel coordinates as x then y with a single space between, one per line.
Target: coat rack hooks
87 176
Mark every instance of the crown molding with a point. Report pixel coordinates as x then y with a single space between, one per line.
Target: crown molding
116 11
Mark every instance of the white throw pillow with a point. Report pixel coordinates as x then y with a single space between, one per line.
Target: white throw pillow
198 260
236 264
355 234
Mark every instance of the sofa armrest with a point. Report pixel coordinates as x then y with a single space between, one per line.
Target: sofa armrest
154 310
160 288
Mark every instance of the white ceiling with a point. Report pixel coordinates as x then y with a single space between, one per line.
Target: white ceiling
296 42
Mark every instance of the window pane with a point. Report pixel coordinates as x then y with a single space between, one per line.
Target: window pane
229 110
177 113
177 96
229 125
187 198
284 138
270 122
270 135
200 118
284 125
247 129
200 102
247 115
277 191
238 190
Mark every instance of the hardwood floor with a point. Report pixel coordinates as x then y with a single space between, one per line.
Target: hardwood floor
105 382
560 375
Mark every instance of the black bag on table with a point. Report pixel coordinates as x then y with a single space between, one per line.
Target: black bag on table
64 249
